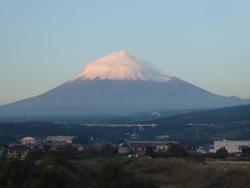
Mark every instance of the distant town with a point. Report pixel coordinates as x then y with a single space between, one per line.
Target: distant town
131 148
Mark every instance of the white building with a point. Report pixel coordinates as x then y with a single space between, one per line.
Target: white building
60 139
162 148
28 140
202 150
230 145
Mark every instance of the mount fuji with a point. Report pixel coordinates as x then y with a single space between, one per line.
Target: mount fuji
119 83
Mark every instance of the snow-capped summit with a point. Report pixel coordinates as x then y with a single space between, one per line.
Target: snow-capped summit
120 65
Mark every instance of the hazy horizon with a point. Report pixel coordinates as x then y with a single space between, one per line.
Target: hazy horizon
44 44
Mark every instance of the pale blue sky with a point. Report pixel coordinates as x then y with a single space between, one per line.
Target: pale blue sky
45 43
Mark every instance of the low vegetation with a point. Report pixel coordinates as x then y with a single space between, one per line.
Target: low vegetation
180 173
52 171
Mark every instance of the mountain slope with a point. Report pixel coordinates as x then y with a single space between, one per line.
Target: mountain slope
104 96
228 114
206 126
118 84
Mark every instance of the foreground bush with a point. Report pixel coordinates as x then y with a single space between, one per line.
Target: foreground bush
52 172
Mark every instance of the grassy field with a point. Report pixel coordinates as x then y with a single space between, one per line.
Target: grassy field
180 173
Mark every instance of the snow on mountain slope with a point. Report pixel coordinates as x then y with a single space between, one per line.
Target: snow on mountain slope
121 66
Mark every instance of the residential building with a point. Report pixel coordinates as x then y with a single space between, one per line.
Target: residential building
245 150
139 150
162 147
124 148
18 151
150 142
60 139
230 145
149 146
28 141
